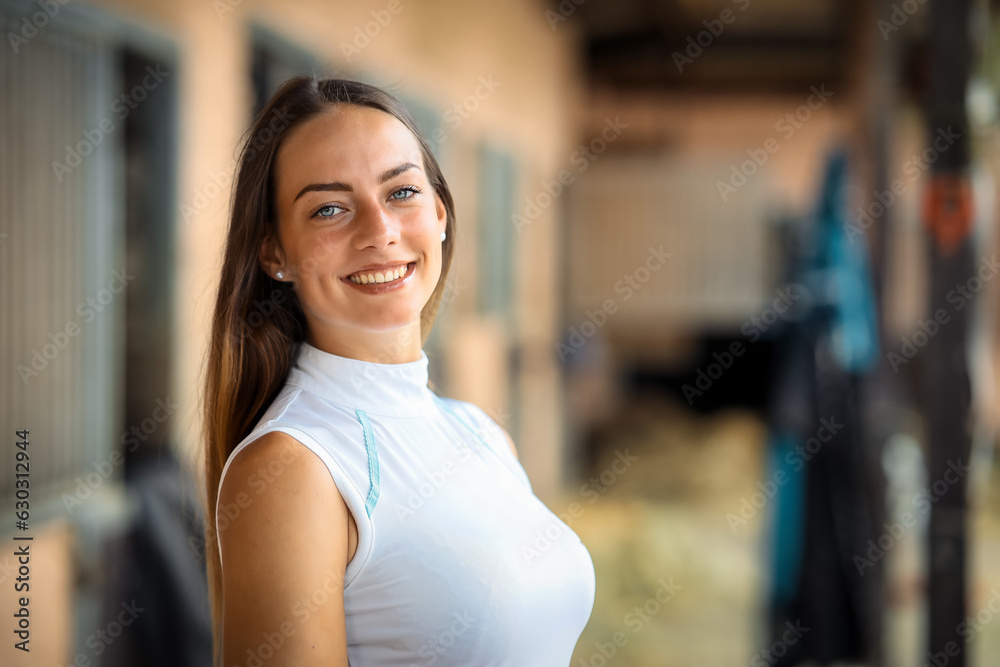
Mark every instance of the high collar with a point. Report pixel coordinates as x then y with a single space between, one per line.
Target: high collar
396 390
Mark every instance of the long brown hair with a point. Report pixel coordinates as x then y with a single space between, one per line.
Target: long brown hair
258 321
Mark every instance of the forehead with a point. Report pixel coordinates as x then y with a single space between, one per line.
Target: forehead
346 143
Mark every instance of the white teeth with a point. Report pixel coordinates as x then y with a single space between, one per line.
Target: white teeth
378 277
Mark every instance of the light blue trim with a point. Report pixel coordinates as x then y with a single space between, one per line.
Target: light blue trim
373 476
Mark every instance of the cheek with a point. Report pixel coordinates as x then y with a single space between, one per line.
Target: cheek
317 253
421 220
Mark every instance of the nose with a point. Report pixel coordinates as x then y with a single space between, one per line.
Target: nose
375 226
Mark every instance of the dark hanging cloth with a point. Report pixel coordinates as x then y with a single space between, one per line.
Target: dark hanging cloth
826 511
160 565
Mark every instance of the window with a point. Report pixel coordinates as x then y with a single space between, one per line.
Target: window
496 190
273 60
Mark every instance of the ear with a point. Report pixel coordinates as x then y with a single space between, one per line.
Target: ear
442 213
272 259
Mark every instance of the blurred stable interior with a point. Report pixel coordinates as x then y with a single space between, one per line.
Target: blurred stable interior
690 231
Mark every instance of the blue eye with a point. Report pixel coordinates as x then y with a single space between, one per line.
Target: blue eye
329 208
409 189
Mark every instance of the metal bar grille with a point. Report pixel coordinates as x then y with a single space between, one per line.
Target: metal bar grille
60 212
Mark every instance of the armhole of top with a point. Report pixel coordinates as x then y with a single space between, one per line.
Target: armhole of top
349 492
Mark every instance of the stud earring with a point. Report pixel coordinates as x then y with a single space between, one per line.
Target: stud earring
279 275
444 235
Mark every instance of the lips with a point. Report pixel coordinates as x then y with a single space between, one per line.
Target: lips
383 267
381 273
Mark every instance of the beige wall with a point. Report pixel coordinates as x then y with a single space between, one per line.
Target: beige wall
658 184
708 128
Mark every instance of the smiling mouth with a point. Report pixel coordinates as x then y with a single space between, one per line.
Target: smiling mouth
381 277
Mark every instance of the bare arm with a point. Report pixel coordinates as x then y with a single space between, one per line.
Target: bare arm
510 442
284 556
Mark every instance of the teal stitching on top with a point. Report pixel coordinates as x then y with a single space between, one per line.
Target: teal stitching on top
373 476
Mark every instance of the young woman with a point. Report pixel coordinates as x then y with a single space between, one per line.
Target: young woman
353 513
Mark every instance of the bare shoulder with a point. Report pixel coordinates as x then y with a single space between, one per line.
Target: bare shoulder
283 535
510 441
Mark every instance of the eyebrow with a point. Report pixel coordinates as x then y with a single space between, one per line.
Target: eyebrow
338 186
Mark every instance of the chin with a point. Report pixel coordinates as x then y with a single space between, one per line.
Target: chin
386 322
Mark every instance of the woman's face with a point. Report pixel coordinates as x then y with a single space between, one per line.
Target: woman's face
354 206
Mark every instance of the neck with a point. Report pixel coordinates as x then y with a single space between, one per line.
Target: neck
398 346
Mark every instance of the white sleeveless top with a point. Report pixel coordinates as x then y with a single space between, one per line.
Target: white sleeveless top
458 561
